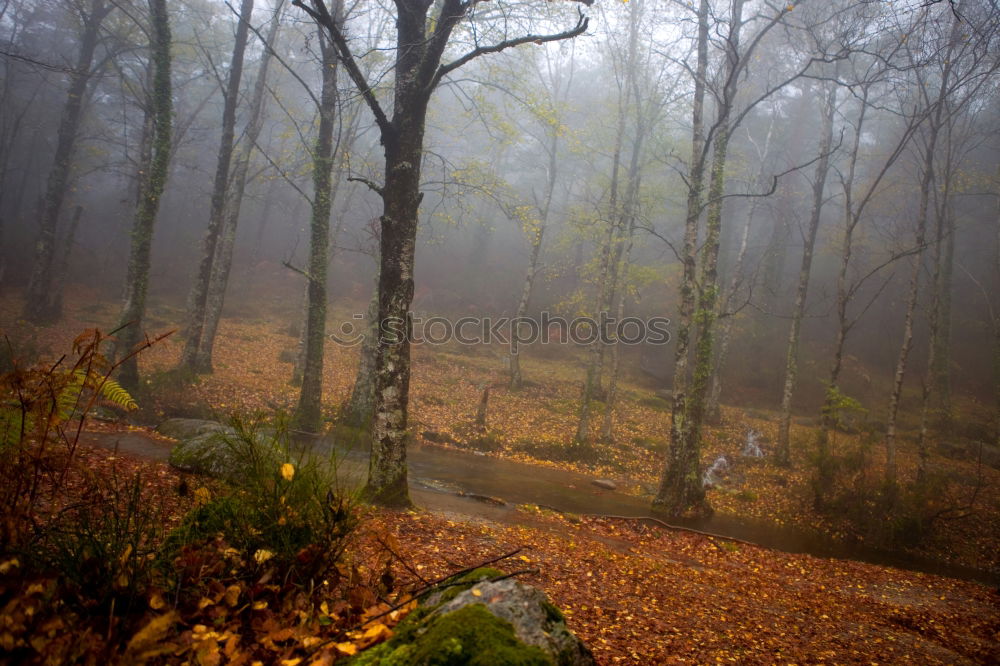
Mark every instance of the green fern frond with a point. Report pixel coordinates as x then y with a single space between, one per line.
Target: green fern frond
114 393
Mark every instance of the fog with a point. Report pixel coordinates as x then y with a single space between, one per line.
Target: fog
804 196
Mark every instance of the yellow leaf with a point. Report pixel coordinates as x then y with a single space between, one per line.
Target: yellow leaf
232 595
288 471
477 593
204 603
154 632
259 605
8 565
347 648
202 496
156 601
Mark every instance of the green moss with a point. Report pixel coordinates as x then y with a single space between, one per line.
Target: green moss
553 613
470 636
469 579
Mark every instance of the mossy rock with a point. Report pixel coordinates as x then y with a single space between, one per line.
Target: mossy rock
183 429
207 454
468 636
211 449
475 621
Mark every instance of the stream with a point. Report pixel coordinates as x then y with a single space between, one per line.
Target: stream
439 477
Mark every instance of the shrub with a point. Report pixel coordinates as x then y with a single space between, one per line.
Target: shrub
281 508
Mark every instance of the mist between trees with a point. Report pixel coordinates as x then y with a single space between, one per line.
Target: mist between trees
807 191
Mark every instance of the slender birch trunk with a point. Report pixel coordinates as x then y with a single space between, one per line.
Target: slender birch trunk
934 130
223 261
537 237
198 297
784 457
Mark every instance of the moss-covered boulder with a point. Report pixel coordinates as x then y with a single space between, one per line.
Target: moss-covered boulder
475 620
205 453
183 429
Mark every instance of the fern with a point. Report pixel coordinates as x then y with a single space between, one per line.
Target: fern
115 394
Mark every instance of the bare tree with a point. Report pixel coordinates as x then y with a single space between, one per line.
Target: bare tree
152 170
191 358
421 40
39 304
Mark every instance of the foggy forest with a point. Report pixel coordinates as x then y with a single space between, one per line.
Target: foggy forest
499 331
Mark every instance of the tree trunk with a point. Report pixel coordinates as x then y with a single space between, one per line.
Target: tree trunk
151 191
713 412
680 483
198 297
851 219
537 236
420 44
309 413
611 250
934 323
917 261
40 306
61 270
360 406
223 261
802 290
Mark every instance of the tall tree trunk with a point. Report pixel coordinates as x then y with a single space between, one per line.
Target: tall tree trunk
612 248
421 41
595 354
934 130
680 483
197 299
309 413
805 269
223 261
358 411
61 270
934 322
851 219
151 191
39 305
693 499
713 412
537 236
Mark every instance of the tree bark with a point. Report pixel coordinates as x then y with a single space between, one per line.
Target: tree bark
934 130
680 483
420 44
154 181
221 265
40 306
197 299
309 413
783 453
537 236
360 406
61 270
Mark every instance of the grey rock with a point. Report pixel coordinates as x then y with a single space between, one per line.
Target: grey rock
188 428
607 484
535 620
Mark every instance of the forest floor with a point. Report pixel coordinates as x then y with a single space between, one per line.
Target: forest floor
635 593
253 366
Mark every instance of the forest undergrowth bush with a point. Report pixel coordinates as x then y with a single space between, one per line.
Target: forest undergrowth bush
848 485
91 547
